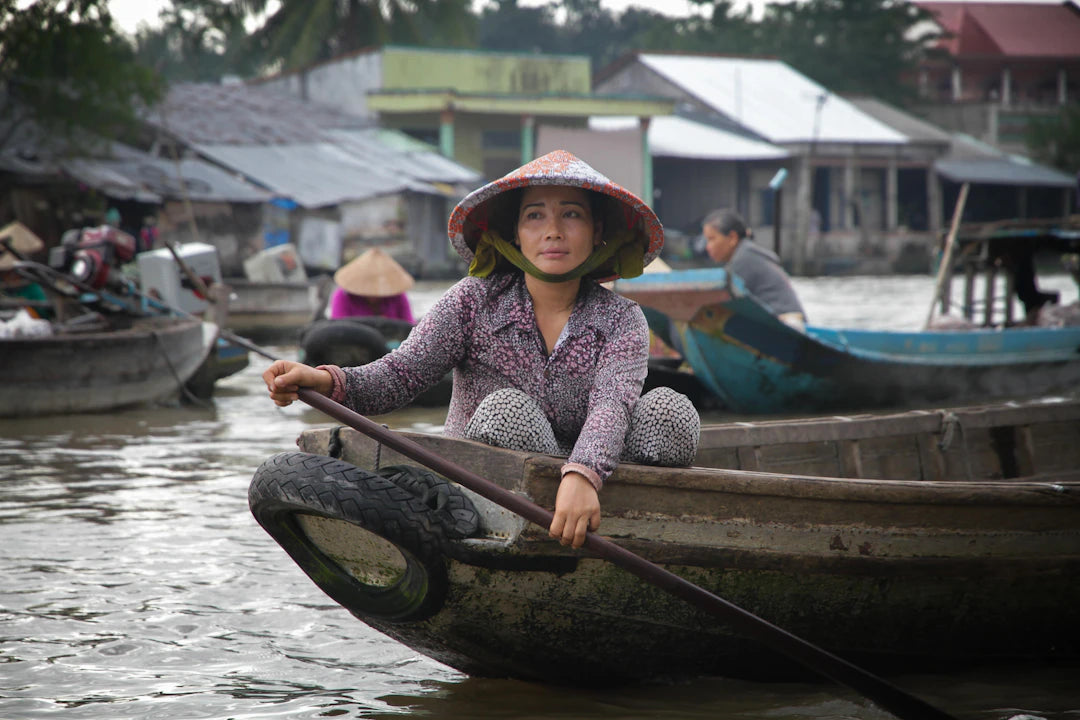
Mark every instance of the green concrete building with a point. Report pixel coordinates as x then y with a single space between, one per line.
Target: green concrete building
486 110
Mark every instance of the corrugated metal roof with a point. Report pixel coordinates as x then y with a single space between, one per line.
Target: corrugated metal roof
1002 171
394 150
156 178
238 114
912 127
672 136
973 161
126 173
311 154
771 99
313 174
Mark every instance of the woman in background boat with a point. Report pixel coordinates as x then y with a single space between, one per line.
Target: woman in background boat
730 243
544 358
372 284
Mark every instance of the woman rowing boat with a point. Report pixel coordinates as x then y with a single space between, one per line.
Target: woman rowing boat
544 358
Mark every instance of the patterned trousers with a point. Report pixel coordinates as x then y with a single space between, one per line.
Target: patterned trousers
664 427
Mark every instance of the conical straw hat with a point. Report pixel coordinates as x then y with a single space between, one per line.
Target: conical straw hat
474 213
22 239
373 274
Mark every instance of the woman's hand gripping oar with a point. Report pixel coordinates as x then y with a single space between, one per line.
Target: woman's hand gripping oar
882 693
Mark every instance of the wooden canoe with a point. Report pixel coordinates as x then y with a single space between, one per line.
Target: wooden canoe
148 359
899 541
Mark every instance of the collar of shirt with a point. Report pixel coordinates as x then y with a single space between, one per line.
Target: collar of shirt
512 306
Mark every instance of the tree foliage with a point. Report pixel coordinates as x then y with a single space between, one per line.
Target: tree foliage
301 32
1055 140
858 46
849 46
63 64
198 40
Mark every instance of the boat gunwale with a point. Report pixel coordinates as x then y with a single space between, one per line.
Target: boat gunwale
1039 490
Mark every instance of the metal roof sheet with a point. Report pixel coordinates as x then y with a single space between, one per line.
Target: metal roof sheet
313 174
126 173
157 178
309 153
672 136
971 160
239 114
914 128
397 152
1002 171
771 99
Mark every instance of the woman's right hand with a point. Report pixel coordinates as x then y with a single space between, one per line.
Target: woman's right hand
285 378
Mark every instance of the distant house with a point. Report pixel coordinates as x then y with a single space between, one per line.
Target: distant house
490 111
51 188
1003 185
857 187
340 183
1001 63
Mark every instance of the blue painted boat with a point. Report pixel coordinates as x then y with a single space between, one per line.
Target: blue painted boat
757 364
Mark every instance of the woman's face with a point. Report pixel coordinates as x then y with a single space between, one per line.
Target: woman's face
720 246
555 227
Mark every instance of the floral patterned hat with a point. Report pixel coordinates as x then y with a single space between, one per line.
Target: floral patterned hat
625 217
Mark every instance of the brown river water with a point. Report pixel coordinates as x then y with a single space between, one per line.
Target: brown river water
134 583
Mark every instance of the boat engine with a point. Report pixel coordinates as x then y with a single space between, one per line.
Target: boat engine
93 255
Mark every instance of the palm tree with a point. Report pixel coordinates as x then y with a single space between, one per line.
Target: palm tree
300 32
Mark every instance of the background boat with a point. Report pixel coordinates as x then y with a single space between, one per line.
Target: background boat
973 345
272 312
757 364
95 369
949 538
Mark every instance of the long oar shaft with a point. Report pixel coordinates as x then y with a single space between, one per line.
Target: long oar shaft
887 696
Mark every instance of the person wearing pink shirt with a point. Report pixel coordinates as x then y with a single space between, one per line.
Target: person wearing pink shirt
372 284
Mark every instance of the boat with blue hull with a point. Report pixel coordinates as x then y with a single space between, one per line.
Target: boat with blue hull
757 364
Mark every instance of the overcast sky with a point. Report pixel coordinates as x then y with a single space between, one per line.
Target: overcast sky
129 13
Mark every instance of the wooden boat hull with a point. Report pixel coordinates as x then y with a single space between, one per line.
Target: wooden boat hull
224 360
891 572
272 312
757 364
99 371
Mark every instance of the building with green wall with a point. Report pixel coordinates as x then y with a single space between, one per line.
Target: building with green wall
482 109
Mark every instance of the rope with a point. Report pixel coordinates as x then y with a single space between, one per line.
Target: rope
183 388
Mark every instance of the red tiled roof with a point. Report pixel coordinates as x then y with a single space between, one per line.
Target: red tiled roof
1020 30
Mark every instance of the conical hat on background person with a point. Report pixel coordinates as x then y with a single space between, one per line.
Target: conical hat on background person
22 239
373 273
484 208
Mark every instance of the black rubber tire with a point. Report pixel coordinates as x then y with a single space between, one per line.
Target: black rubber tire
392 329
296 483
344 342
452 508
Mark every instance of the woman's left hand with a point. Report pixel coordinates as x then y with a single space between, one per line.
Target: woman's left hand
577 510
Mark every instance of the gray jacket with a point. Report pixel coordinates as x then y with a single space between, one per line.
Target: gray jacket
766 280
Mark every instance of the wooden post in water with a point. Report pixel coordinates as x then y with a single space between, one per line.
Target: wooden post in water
945 268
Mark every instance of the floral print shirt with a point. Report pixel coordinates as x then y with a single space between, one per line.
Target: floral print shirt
485 330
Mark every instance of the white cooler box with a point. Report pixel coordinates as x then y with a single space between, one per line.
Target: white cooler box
161 276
